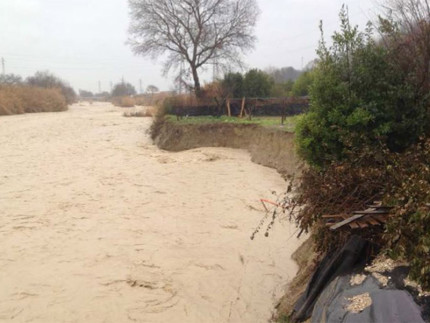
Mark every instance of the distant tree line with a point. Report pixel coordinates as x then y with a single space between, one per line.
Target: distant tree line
283 82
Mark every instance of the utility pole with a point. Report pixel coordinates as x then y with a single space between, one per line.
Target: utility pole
122 80
111 86
140 86
3 67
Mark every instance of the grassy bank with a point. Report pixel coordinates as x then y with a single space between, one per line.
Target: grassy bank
270 122
29 99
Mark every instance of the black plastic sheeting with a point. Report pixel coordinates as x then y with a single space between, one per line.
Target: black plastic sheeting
341 262
388 305
329 291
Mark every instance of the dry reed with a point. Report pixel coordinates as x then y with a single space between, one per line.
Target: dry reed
29 99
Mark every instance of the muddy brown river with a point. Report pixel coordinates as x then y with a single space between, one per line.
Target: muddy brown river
99 225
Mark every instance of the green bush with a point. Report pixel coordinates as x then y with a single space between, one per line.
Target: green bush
256 83
359 96
233 84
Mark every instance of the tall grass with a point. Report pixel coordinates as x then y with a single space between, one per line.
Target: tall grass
29 99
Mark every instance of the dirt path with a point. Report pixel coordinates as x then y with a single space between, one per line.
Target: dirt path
98 225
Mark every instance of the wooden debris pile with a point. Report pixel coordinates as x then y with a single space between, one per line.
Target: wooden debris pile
375 215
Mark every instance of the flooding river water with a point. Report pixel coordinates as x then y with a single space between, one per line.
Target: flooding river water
99 225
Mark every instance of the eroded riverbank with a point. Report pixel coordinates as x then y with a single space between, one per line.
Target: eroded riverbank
99 225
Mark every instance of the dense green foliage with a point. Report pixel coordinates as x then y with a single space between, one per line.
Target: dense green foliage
256 83
233 83
359 96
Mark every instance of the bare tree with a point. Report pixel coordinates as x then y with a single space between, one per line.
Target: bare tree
409 22
196 32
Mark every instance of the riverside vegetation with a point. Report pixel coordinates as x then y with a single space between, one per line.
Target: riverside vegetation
366 136
42 92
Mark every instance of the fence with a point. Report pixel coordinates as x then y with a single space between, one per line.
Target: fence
281 107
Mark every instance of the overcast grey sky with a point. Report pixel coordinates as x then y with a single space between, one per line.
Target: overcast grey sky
83 41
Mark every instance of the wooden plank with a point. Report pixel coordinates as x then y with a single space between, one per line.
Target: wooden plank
353 225
347 221
362 224
372 221
371 212
326 216
383 217
382 207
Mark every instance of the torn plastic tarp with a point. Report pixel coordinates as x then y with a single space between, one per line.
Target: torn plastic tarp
386 306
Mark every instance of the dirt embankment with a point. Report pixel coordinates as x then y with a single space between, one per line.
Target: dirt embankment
268 147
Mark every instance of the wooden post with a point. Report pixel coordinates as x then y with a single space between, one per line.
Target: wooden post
242 108
284 108
228 108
